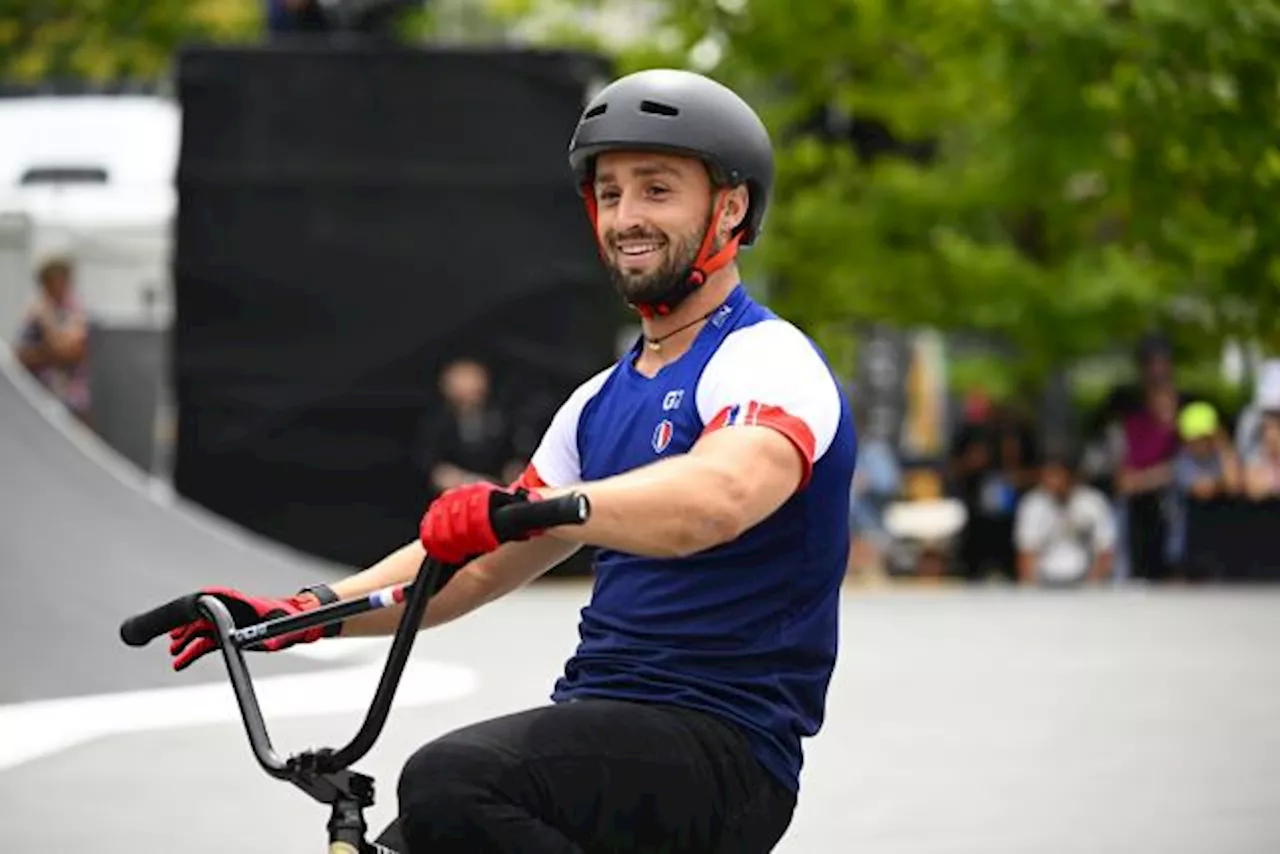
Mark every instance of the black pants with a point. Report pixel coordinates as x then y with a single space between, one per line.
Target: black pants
987 542
1148 531
586 777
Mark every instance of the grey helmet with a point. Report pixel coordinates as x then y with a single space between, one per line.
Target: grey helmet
680 112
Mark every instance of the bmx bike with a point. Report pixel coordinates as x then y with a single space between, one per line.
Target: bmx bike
325 773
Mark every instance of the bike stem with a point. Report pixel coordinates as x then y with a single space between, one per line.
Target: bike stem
323 774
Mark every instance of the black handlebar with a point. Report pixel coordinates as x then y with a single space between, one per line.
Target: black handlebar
324 774
517 520
509 523
140 630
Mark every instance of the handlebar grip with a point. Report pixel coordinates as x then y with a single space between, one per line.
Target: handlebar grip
516 520
141 629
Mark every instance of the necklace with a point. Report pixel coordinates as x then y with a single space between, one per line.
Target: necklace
656 343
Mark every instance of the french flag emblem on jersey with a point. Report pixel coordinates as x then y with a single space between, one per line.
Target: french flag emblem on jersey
737 414
662 436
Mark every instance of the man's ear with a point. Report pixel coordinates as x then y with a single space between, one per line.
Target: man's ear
736 204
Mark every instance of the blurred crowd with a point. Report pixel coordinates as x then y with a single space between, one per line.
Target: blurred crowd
1119 503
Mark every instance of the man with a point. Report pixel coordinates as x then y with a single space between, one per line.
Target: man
1064 531
1144 480
718 456
53 341
470 438
991 463
1266 398
1262 469
1206 466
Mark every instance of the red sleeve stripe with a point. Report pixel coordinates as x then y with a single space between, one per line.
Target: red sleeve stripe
775 417
529 479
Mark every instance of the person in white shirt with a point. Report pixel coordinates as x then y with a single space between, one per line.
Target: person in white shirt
1064 530
1266 398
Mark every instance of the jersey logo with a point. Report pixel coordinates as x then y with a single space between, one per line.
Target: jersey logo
662 436
742 415
672 400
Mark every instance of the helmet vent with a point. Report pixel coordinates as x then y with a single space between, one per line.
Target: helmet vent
658 109
596 111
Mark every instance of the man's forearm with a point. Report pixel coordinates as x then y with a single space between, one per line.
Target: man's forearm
483 580
1156 477
1101 568
1026 567
653 511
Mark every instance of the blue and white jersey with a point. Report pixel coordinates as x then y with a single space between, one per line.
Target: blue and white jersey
746 630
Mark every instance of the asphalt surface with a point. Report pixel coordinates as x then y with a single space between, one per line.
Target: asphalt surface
992 721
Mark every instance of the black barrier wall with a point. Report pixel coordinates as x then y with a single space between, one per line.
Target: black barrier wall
348 220
1233 540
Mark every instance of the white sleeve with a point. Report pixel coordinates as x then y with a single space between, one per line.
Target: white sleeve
1104 523
555 463
1029 524
770 374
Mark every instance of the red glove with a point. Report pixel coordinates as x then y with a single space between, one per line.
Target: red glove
196 639
458 525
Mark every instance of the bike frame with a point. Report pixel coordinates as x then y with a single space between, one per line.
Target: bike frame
323 773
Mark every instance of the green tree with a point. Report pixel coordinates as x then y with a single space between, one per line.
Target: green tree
110 40
1098 166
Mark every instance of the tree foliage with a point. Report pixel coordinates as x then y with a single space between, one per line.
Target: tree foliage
1071 172
1090 168
112 40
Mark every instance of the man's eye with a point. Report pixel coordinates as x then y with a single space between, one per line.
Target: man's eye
607 195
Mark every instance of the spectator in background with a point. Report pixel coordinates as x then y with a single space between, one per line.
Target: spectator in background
877 481
1206 466
1107 438
1266 397
992 463
53 341
1145 478
1262 467
469 439
1064 531
291 17
1154 361
314 17
1205 469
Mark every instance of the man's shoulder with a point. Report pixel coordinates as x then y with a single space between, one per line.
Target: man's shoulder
1036 500
767 342
591 386
1090 499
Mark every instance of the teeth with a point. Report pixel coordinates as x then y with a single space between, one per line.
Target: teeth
638 250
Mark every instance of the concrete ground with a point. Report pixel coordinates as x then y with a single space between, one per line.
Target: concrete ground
982 721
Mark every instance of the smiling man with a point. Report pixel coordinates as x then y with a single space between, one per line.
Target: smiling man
718 455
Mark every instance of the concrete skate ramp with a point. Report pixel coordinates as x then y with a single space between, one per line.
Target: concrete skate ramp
85 543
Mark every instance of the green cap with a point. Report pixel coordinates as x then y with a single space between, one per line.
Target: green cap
1197 421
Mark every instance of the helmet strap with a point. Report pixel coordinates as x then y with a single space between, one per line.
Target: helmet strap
705 263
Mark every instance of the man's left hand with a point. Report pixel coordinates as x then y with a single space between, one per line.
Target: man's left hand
458 525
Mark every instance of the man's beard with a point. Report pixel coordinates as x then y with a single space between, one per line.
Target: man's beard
667 284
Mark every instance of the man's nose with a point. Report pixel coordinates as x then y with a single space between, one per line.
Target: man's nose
628 213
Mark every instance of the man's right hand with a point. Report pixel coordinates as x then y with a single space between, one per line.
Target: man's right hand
196 639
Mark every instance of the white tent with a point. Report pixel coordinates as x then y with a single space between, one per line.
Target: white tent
92 176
